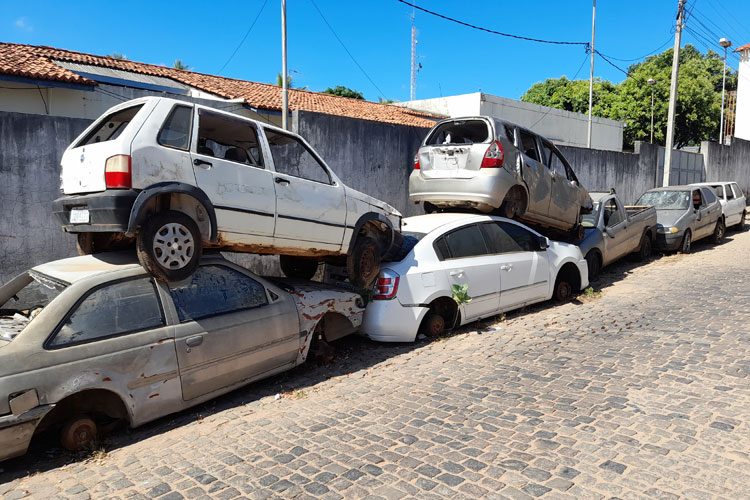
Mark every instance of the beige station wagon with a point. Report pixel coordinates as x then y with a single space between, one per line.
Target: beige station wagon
89 339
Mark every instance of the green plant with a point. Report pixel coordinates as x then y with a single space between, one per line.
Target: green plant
591 293
460 294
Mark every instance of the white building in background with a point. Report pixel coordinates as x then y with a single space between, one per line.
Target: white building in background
742 109
561 127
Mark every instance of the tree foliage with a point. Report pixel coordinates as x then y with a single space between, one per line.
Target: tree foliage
698 97
178 64
342 91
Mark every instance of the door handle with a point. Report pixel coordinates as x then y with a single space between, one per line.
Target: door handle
281 180
456 273
506 267
194 341
202 163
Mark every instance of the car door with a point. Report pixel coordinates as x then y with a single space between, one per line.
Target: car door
564 203
615 235
710 210
524 267
231 169
740 200
230 329
537 176
733 209
466 262
311 206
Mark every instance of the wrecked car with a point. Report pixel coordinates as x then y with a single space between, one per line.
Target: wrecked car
494 166
89 339
613 230
733 202
173 177
459 268
684 214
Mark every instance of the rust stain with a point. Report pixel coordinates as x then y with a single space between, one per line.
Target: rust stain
106 379
222 243
163 340
153 395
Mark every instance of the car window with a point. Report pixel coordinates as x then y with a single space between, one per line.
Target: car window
228 138
459 132
441 249
111 310
708 196
465 242
111 126
175 133
611 215
728 191
737 191
216 290
666 200
718 190
510 134
528 146
557 165
292 157
546 151
503 237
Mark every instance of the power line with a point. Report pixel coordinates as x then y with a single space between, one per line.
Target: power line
244 37
610 62
667 42
487 30
382 94
585 58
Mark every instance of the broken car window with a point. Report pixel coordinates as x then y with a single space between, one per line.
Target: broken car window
528 146
176 130
612 216
228 138
110 310
666 200
111 126
29 294
460 132
216 290
292 157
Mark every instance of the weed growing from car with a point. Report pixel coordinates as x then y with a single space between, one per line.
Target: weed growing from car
460 294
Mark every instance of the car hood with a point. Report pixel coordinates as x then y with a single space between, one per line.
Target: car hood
383 206
668 218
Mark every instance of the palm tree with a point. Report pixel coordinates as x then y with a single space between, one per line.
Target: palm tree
178 64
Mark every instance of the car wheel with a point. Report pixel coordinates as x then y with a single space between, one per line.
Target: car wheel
741 224
563 289
645 251
433 325
594 264
363 262
298 267
169 245
718 232
687 240
78 433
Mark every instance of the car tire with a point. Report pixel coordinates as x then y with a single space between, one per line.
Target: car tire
79 433
719 230
687 242
644 251
740 226
594 263
169 246
298 267
563 289
363 262
433 325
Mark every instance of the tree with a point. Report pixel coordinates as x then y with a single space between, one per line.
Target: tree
386 101
280 81
342 91
178 64
117 55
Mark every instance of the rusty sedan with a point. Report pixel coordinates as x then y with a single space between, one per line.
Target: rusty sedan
90 339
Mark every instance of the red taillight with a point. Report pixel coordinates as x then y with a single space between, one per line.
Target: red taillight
117 172
493 158
416 161
386 286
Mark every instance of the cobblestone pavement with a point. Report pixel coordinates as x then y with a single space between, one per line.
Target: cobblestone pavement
640 393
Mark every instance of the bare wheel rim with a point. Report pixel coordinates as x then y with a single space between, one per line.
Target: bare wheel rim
79 434
173 246
563 290
436 326
368 264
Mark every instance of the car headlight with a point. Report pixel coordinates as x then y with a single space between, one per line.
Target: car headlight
667 230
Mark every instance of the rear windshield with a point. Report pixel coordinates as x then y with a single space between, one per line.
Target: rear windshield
28 295
666 200
459 132
111 126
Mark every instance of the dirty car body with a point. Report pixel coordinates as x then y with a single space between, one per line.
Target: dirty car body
488 164
96 336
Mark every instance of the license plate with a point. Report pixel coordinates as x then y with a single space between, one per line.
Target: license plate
79 216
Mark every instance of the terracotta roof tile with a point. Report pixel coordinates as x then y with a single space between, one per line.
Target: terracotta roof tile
744 47
36 62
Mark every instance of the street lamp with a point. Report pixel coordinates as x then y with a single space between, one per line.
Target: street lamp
724 43
652 82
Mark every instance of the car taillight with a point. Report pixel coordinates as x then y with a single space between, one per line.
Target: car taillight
494 156
117 172
386 286
416 161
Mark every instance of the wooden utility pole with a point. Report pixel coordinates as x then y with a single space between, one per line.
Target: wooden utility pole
673 92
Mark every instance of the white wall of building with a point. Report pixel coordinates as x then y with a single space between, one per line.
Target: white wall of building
561 127
742 123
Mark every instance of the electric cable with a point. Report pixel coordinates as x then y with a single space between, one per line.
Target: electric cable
244 37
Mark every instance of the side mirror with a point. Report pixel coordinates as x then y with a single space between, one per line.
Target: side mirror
543 242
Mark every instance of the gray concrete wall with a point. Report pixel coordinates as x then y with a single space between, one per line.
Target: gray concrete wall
728 163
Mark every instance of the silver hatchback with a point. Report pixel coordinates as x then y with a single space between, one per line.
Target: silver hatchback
491 165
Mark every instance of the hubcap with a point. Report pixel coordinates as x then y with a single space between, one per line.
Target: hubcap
173 246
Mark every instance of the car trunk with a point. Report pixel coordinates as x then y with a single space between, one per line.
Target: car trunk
455 149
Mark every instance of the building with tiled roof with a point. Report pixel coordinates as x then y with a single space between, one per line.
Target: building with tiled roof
80 85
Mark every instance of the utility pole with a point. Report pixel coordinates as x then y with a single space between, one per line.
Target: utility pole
591 77
724 43
284 79
673 92
413 93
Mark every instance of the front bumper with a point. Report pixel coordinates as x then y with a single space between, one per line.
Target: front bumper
389 321
16 431
109 211
669 242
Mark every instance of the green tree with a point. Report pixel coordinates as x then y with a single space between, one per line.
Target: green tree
342 91
178 64
386 101
280 81
117 55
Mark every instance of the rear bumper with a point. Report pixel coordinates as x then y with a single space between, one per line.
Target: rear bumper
488 186
109 211
16 431
389 321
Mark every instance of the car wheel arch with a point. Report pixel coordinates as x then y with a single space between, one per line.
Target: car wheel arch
370 224
96 401
568 271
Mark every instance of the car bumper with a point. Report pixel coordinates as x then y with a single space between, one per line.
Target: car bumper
389 321
487 187
668 242
109 211
16 431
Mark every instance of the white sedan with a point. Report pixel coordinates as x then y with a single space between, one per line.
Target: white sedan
504 264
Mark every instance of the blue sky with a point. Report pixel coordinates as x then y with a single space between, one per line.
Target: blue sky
454 59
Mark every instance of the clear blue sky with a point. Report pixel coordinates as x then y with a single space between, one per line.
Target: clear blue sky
454 59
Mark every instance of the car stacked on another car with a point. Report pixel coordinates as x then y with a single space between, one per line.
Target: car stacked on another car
174 177
501 264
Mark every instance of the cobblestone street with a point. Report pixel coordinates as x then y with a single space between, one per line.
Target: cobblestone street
642 392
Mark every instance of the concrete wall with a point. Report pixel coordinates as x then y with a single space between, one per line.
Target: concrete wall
728 163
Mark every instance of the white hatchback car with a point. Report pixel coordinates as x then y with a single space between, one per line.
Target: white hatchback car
733 203
504 264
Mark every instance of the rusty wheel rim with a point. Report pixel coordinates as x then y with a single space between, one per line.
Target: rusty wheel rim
368 264
563 290
79 434
436 327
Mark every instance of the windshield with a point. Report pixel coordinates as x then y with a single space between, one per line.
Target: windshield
591 219
666 200
25 297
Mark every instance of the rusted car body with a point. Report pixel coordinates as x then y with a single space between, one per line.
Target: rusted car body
97 336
